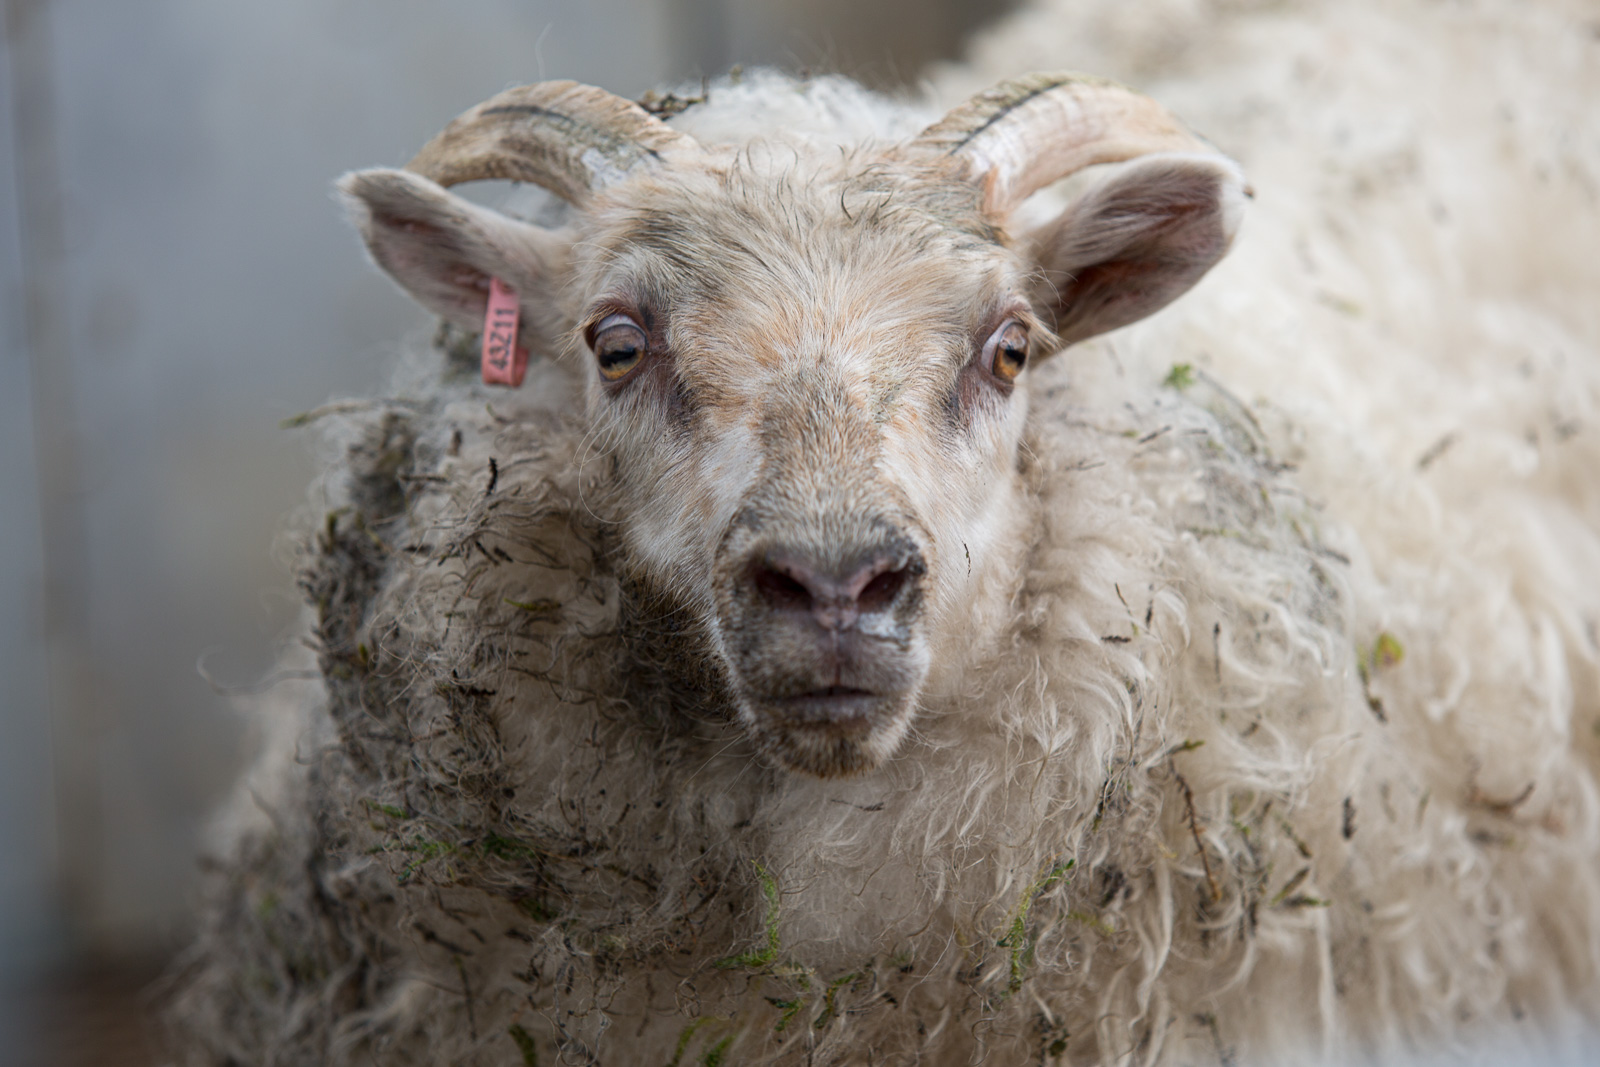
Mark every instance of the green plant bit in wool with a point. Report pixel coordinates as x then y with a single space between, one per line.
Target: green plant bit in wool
1292 884
765 955
829 1007
426 850
1180 377
306 418
1300 846
525 1045
718 1050
1104 927
509 848
790 1009
1387 651
1017 939
716 1054
389 809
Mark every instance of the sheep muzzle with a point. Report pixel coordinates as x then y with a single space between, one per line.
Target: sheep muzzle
822 628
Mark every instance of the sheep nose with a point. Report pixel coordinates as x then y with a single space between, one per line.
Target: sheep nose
834 595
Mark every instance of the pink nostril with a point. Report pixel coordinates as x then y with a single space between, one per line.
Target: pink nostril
881 588
789 583
780 588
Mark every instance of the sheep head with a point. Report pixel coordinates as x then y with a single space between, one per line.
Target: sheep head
808 371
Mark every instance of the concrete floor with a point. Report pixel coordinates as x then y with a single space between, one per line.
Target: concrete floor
97 1013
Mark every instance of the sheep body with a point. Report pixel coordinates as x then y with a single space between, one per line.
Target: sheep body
1241 767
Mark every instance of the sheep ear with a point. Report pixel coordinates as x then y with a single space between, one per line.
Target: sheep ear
443 250
1136 241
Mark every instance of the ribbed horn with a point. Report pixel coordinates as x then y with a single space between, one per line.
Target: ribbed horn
1024 134
569 138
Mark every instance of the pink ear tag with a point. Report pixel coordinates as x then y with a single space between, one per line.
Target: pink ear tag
504 361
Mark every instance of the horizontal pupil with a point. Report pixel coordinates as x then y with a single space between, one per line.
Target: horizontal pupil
611 357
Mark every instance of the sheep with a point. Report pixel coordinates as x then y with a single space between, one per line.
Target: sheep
811 663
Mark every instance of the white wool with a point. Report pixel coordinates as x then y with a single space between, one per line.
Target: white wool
821 112
1285 751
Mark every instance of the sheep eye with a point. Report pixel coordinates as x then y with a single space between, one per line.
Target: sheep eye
1006 351
619 346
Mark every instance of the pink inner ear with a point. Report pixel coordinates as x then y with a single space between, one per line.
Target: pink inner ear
504 360
1134 244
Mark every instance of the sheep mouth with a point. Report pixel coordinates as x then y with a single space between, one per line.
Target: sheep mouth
817 715
829 731
833 691
830 707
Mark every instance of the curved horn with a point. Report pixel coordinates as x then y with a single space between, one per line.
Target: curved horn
569 138
1024 134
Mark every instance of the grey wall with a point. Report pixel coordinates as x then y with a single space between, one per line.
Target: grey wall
26 826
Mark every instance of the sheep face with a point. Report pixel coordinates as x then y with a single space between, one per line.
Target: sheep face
807 378
808 382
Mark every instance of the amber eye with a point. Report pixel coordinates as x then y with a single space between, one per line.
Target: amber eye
619 346
1006 351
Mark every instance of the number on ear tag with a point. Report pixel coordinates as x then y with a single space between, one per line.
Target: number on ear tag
504 360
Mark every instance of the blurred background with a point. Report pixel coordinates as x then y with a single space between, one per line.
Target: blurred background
174 280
